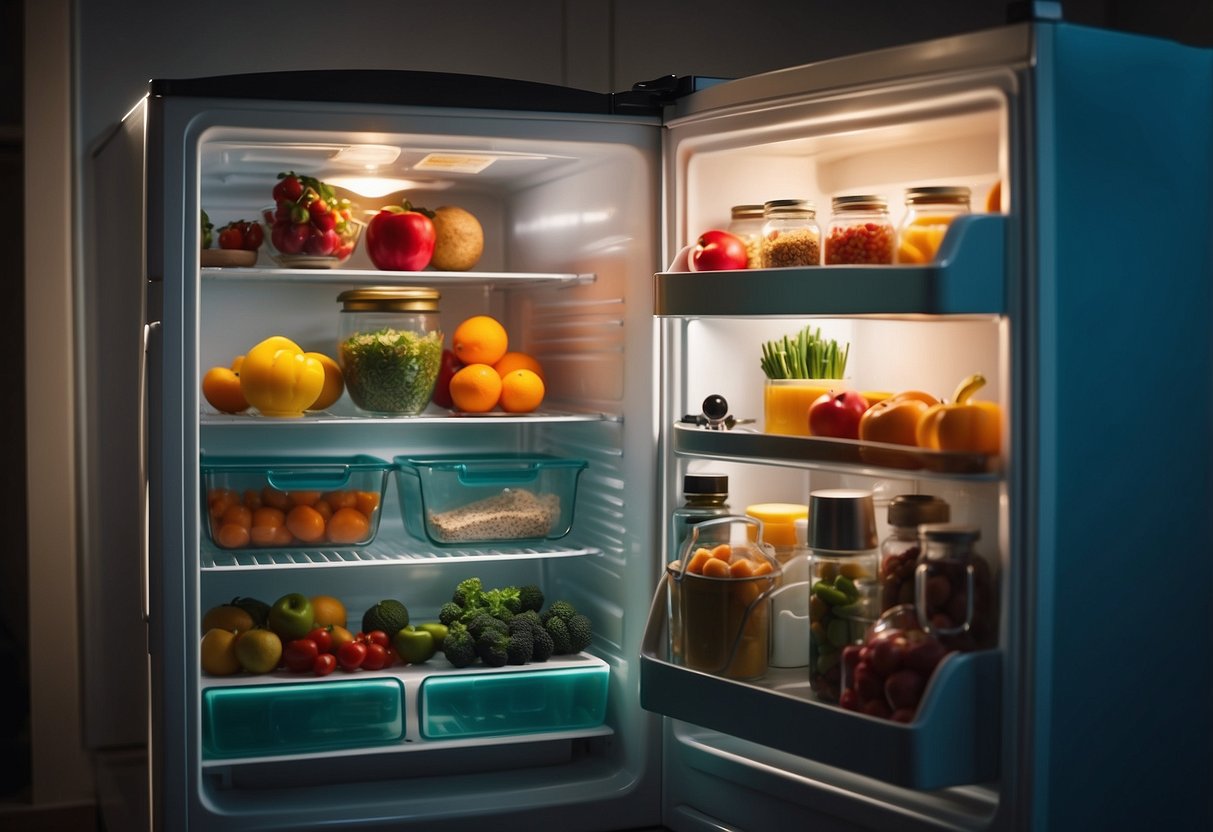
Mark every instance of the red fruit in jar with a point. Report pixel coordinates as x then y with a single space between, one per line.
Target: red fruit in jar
850 655
400 239
715 250
924 655
938 591
321 243
849 699
904 688
867 682
887 655
837 414
903 715
876 707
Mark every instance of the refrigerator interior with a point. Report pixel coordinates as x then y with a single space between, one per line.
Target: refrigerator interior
774 750
569 214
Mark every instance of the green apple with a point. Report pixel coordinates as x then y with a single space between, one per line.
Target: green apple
291 616
258 651
414 646
435 628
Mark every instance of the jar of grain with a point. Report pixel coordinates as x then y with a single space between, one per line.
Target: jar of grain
929 212
860 232
790 234
746 223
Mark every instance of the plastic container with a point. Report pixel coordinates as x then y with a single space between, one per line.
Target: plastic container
301 718
953 588
500 703
720 618
778 526
786 402
705 497
790 234
929 212
389 346
860 232
845 595
452 500
296 503
746 223
899 551
790 605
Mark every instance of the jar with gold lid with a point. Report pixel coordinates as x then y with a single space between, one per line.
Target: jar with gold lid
746 222
790 234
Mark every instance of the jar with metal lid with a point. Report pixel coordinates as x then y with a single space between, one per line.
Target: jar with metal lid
746 223
389 346
860 231
899 551
929 213
705 496
844 593
953 590
790 234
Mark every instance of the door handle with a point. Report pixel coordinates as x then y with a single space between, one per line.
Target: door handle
151 340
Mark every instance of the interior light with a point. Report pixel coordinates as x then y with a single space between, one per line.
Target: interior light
373 186
371 155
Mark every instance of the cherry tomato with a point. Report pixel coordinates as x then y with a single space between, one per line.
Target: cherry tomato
299 655
323 636
378 637
351 655
231 236
324 664
375 658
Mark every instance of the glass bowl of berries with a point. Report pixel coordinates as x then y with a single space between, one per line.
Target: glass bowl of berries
308 227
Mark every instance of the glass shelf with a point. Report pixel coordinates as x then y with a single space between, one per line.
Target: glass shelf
363 277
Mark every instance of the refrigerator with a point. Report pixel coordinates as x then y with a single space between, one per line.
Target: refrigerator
1082 294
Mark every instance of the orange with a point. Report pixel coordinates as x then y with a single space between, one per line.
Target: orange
476 388
227 617
480 339
305 523
218 652
341 499
518 361
221 387
238 514
232 536
334 382
348 525
274 497
328 611
340 636
367 502
521 391
994 198
237 363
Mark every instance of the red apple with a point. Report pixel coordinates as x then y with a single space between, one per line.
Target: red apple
837 414
442 387
715 250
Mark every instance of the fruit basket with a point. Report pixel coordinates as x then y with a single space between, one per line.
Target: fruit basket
487 498
304 246
323 502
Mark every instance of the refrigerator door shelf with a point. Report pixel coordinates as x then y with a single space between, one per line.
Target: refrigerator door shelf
967 278
846 455
363 277
406 708
952 741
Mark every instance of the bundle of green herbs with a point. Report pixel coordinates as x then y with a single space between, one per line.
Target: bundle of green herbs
807 355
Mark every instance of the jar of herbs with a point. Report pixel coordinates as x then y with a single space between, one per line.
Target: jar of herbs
746 223
860 232
389 347
790 234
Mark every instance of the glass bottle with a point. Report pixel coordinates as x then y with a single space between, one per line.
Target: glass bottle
844 591
790 234
705 496
953 591
929 212
860 231
899 551
746 223
389 346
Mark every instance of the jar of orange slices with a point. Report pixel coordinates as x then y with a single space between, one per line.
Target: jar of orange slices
929 212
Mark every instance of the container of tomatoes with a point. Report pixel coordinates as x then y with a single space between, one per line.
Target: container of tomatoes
311 503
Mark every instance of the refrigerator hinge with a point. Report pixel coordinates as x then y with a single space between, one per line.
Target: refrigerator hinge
651 96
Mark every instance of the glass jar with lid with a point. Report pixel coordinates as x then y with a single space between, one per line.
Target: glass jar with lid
929 212
953 589
899 551
389 346
790 234
860 231
746 223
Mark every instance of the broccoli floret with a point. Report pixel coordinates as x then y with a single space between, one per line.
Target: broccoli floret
559 631
469 593
459 646
530 597
542 645
560 609
522 643
492 646
450 612
483 621
503 601
580 633
532 616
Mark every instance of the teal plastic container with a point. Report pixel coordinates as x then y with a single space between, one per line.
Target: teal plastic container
301 718
325 484
487 498
502 703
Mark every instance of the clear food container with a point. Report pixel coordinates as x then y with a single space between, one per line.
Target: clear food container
272 503
860 231
929 213
953 587
746 222
481 499
719 596
790 234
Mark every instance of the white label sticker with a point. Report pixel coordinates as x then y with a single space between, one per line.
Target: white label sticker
454 162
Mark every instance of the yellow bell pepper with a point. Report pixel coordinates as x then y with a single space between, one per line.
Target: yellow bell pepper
962 424
278 379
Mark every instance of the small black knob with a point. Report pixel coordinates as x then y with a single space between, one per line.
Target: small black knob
715 408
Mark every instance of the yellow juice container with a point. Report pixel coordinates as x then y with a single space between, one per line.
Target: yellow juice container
786 402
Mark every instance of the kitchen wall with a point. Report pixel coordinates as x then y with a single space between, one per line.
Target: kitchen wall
117 45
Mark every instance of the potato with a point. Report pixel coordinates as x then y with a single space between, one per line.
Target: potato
459 239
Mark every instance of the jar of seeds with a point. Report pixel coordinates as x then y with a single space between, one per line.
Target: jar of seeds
746 223
790 234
